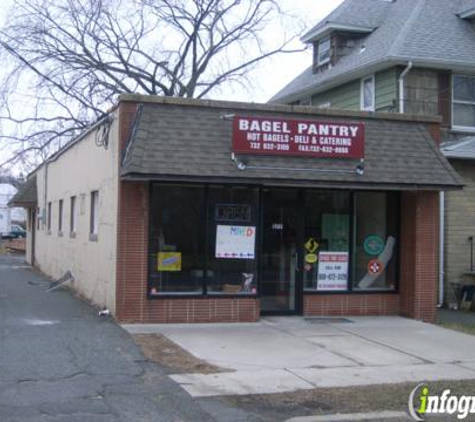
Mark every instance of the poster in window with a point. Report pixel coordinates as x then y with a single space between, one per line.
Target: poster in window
235 242
332 271
169 261
336 230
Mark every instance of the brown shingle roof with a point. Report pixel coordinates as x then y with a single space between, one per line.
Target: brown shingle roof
189 140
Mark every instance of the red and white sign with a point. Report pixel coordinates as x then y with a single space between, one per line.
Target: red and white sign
332 271
305 138
375 266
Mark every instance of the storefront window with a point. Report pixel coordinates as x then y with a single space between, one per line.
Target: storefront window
177 246
326 241
232 240
375 241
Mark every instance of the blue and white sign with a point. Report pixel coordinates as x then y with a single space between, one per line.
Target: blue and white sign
235 242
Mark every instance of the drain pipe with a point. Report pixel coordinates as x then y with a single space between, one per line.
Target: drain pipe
401 86
441 248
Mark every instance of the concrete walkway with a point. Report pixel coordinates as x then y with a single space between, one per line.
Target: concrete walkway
290 353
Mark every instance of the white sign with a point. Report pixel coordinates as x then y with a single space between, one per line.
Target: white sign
235 242
332 271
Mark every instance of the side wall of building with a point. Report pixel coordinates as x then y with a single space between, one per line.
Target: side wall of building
83 168
459 227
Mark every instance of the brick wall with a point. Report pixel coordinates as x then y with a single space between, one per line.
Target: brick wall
355 305
419 255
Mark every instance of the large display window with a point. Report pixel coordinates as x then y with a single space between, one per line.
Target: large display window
326 243
232 237
277 243
177 249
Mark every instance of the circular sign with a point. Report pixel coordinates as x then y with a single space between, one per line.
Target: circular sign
308 267
311 258
375 266
373 245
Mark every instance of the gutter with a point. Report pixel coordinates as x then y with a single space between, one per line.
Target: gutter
441 248
400 81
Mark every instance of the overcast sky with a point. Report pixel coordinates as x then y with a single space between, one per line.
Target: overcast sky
274 74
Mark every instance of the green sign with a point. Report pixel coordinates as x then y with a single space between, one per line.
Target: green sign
373 245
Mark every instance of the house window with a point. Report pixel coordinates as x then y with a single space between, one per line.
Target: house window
463 102
60 217
367 93
324 51
48 222
72 216
94 224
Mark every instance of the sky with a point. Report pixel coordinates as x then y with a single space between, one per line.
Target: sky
274 74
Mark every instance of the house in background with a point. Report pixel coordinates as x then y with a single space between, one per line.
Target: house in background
9 215
413 57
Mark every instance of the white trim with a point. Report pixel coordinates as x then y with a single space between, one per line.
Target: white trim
330 27
327 60
470 129
373 100
469 13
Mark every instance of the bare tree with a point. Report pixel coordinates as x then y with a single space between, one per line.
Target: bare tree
69 59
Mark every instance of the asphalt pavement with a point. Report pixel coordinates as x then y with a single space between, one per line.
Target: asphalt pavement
61 362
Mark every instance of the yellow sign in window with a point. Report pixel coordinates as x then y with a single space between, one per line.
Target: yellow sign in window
169 261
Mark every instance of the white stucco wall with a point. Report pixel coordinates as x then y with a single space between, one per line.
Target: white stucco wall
83 168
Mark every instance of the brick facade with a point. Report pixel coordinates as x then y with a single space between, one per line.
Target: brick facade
354 304
419 255
418 273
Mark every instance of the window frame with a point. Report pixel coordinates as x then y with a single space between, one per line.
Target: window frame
48 217
60 217
463 102
205 230
94 216
72 215
319 51
372 107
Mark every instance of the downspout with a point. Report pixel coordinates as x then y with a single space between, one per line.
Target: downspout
401 86
441 248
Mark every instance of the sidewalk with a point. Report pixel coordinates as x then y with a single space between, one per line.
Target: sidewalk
287 354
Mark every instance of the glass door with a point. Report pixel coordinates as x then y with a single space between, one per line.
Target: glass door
280 252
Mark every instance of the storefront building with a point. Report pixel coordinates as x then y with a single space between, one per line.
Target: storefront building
224 212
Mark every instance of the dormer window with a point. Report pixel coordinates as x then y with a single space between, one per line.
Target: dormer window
324 51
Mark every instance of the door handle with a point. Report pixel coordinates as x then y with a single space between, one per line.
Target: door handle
297 262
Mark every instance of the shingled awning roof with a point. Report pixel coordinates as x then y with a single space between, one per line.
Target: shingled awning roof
26 196
189 140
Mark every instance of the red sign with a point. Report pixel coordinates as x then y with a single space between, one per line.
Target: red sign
306 138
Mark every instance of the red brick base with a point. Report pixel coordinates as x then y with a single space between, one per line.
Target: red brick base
351 305
202 310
